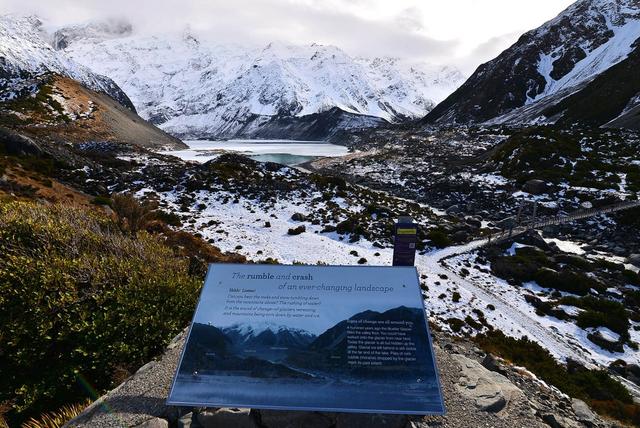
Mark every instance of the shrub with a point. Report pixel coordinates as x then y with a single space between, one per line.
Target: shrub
168 217
577 262
473 323
569 281
102 200
600 313
81 300
456 324
615 322
132 215
520 267
632 298
630 217
58 418
439 238
328 182
632 277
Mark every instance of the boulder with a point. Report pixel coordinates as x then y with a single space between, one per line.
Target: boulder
557 421
280 419
154 423
619 250
18 145
634 259
534 239
474 222
299 217
460 236
453 209
297 231
490 391
535 187
583 412
185 421
491 363
227 418
506 223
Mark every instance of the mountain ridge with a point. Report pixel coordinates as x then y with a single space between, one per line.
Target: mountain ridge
192 88
547 63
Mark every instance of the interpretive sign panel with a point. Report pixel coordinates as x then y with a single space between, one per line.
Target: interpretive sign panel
405 237
332 338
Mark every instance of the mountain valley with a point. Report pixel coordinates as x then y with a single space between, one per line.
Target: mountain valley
523 183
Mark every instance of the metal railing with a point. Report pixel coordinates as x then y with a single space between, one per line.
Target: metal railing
558 219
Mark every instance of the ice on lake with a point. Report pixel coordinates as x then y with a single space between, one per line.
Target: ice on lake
287 152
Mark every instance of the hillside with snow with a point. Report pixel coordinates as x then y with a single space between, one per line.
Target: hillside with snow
193 88
548 64
25 51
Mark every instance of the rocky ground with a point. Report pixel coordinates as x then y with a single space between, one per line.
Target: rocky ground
494 172
479 390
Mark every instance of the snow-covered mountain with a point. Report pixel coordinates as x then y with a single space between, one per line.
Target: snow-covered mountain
547 64
25 51
268 334
193 88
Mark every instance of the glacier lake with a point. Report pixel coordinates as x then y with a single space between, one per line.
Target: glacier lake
286 152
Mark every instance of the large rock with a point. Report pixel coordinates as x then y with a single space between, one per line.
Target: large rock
557 421
460 236
453 209
185 421
490 391
534 239
227 418
634 259
583 412
535 187
19 145
154 423
299 217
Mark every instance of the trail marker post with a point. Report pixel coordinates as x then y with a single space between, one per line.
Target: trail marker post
404 242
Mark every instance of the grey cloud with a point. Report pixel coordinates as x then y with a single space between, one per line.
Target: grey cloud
486 51
411 18
251 22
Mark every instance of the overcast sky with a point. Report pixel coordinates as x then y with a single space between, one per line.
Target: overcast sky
464 33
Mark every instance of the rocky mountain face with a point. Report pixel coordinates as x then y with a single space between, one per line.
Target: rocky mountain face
26 52
550 63
57 108
611 100
192 88
97 31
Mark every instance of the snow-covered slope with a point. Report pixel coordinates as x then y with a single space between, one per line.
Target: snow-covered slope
567 52
24 51
612 28
611 99
193 88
